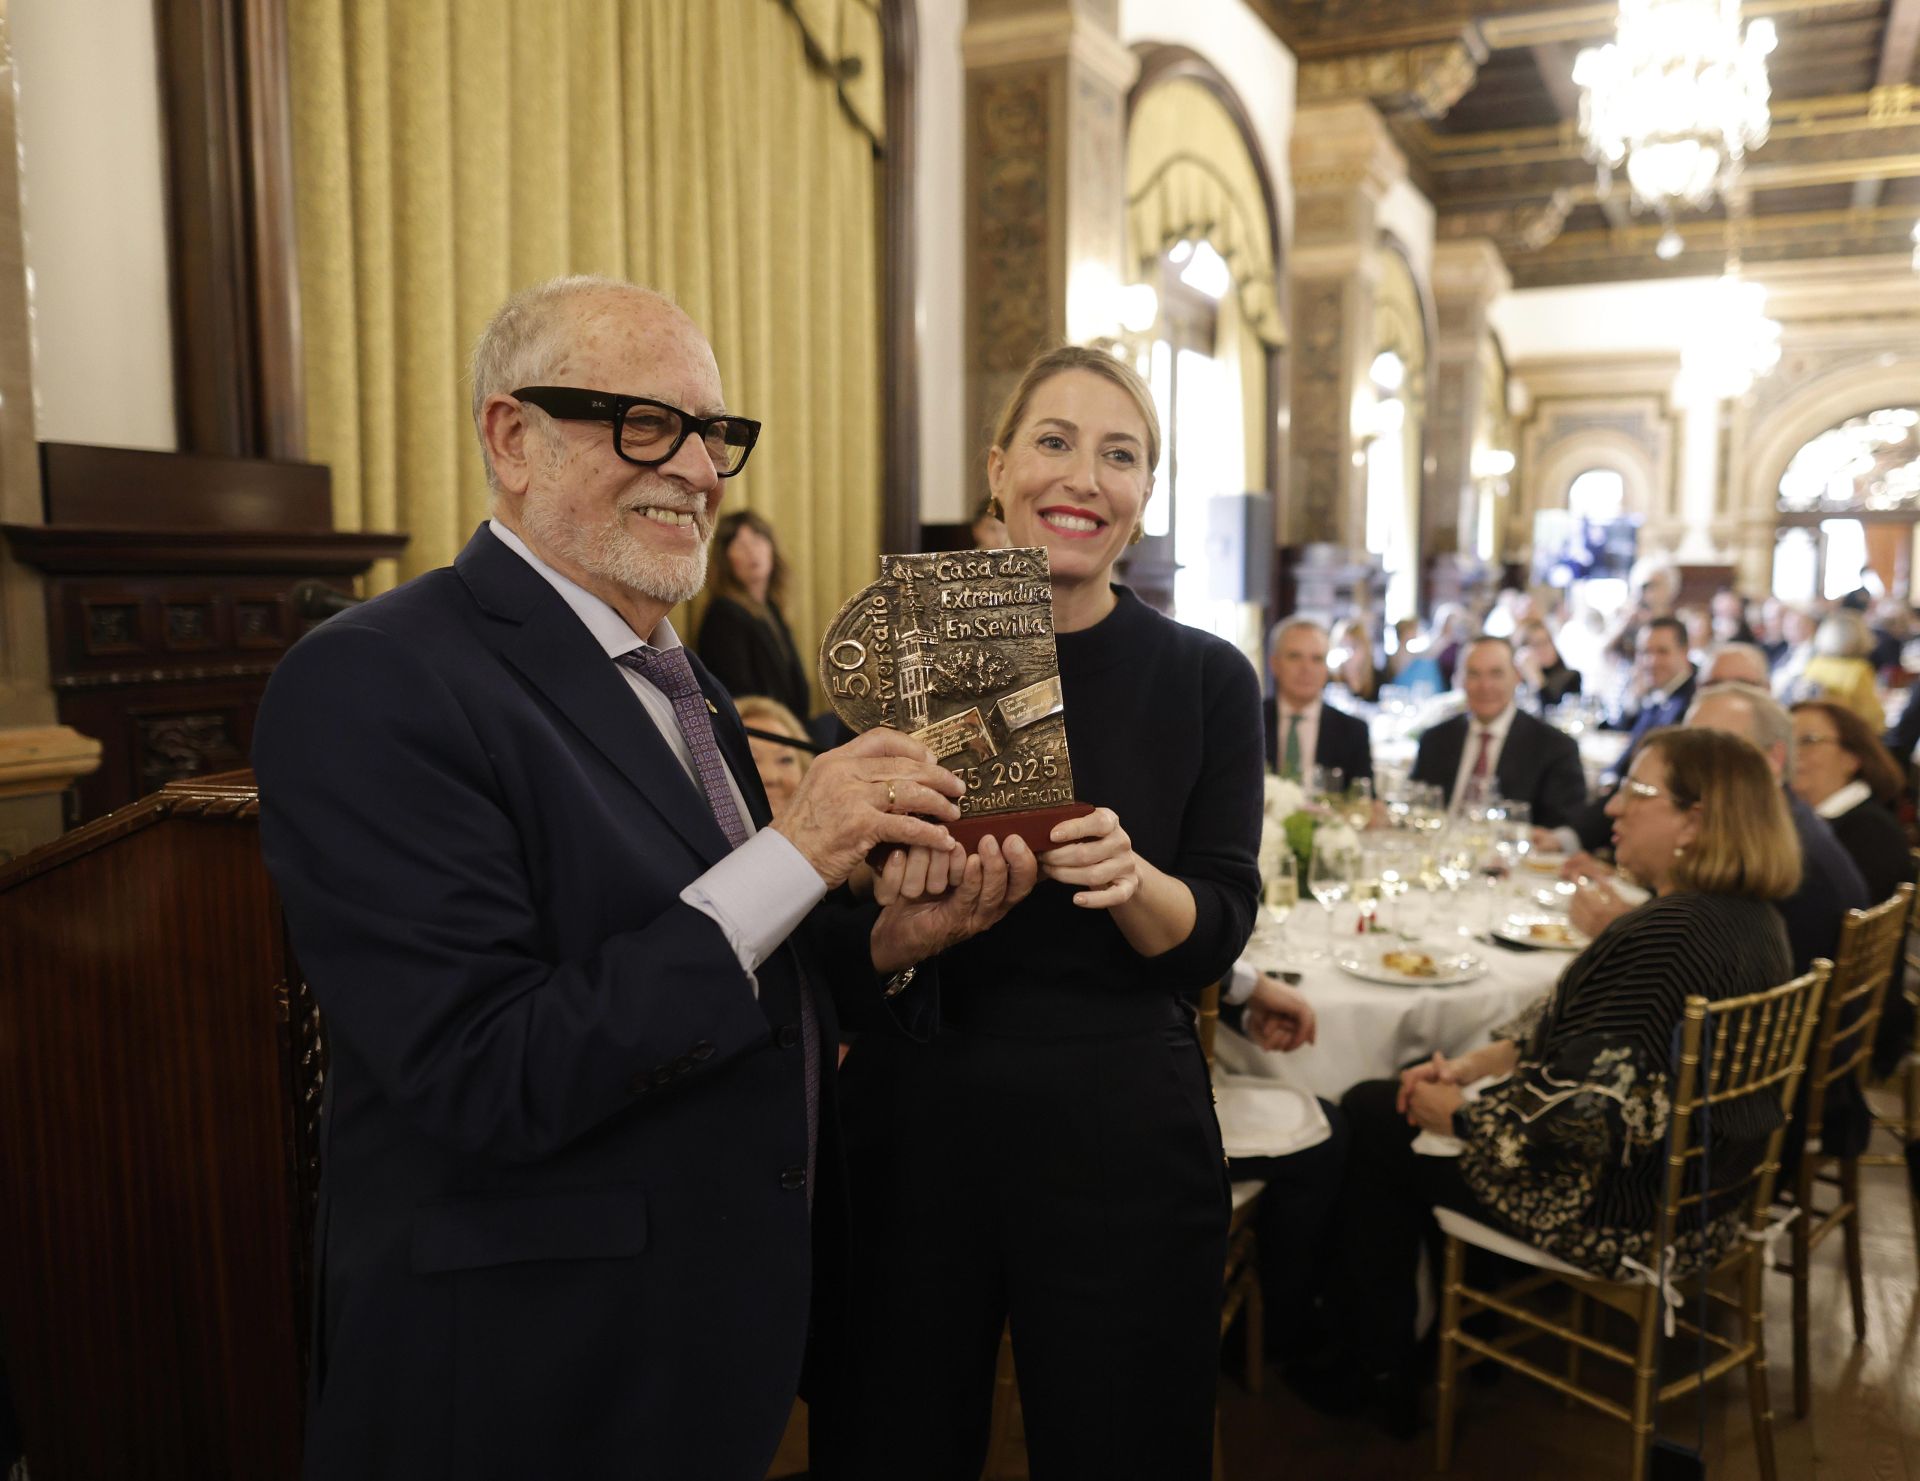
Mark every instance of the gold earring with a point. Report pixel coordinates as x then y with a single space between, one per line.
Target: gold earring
1139 532
994 511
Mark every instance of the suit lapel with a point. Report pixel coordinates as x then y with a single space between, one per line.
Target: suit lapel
538 634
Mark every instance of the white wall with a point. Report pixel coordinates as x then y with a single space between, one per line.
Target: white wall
946 444
1409 216
92 208
1600 318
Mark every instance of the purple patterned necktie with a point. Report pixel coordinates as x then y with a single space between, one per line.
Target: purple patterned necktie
668 671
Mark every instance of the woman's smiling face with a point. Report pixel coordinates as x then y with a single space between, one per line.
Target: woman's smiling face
1074 478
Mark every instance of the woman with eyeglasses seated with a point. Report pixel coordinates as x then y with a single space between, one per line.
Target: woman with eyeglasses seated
1566 1151
743 635
1843 773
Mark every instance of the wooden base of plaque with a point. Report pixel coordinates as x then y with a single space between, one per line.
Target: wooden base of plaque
1034 826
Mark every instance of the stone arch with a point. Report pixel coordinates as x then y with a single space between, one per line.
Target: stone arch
1599 447
1822 403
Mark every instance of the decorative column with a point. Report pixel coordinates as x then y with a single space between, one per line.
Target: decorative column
1047 84
1467 277
38 759
1344 162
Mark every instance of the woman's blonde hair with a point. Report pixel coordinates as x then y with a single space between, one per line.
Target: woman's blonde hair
758 709
1078 357
1747 844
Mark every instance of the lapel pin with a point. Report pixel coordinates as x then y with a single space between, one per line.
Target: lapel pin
710 709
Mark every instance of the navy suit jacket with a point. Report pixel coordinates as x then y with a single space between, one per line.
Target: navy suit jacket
1343 741
1538 766
563 1227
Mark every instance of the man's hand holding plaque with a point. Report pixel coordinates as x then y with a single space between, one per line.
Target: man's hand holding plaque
956 651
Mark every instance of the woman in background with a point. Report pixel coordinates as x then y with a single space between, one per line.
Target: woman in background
1541 665
1351 660
743 636
780 767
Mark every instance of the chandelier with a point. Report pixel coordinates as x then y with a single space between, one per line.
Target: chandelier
1678 97
1734 342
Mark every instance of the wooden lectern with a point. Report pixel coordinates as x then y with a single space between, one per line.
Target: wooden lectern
160 1074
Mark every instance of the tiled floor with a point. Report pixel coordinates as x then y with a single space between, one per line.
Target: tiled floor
1865 1424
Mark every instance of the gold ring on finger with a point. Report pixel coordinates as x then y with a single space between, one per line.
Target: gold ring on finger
889 796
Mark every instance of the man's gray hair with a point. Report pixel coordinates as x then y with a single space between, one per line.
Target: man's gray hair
526 339
1292 624
1750 652
1772 725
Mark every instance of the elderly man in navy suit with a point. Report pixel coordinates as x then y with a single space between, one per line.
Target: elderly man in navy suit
1303 731
1497 749
579 1139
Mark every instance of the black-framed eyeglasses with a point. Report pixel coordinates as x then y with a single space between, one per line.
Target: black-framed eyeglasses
645 431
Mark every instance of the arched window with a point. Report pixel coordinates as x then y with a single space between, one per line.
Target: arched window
1597 496
1849 506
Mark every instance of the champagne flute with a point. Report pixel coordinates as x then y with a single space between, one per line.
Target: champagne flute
1282 894
1330 873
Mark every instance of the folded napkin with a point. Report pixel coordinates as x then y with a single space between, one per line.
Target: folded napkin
1259 1118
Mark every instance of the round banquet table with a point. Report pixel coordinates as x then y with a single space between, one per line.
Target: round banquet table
1368 1030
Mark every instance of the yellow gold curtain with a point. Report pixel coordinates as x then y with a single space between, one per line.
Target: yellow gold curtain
447 152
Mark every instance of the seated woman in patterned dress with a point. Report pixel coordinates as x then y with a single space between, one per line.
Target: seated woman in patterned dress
1566 1151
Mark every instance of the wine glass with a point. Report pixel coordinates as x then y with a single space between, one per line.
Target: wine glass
1331 871
1328 782
1282 894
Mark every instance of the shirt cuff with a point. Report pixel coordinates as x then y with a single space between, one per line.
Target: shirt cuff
1240 981
757 895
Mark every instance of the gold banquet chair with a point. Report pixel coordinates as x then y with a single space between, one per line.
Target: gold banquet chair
1758 1046
1869 950
1905 1128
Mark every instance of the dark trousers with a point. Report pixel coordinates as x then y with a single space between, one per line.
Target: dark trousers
1380 1221
1074 1189
1291 1225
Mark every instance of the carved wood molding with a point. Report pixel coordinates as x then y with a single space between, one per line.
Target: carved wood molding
1427 79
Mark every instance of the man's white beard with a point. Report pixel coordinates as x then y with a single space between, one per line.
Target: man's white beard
608 552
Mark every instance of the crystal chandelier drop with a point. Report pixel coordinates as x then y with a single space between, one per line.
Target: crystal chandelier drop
1678 97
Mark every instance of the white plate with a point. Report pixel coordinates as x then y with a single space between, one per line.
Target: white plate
1519 930
1451 967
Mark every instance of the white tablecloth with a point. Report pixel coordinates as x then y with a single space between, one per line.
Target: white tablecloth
1368 1031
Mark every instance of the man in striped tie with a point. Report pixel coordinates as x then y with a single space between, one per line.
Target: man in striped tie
580 994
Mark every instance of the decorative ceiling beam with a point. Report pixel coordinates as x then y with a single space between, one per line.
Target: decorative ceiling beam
1899 48
1554 61
1427 79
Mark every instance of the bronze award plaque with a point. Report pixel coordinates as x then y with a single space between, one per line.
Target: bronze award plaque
956 650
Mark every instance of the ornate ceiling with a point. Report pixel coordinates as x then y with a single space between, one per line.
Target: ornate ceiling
1481 98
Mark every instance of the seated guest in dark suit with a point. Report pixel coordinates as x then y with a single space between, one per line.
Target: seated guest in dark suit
1843 773
578 982
1662 688
1496 747
1904 736
743 636
1302 731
